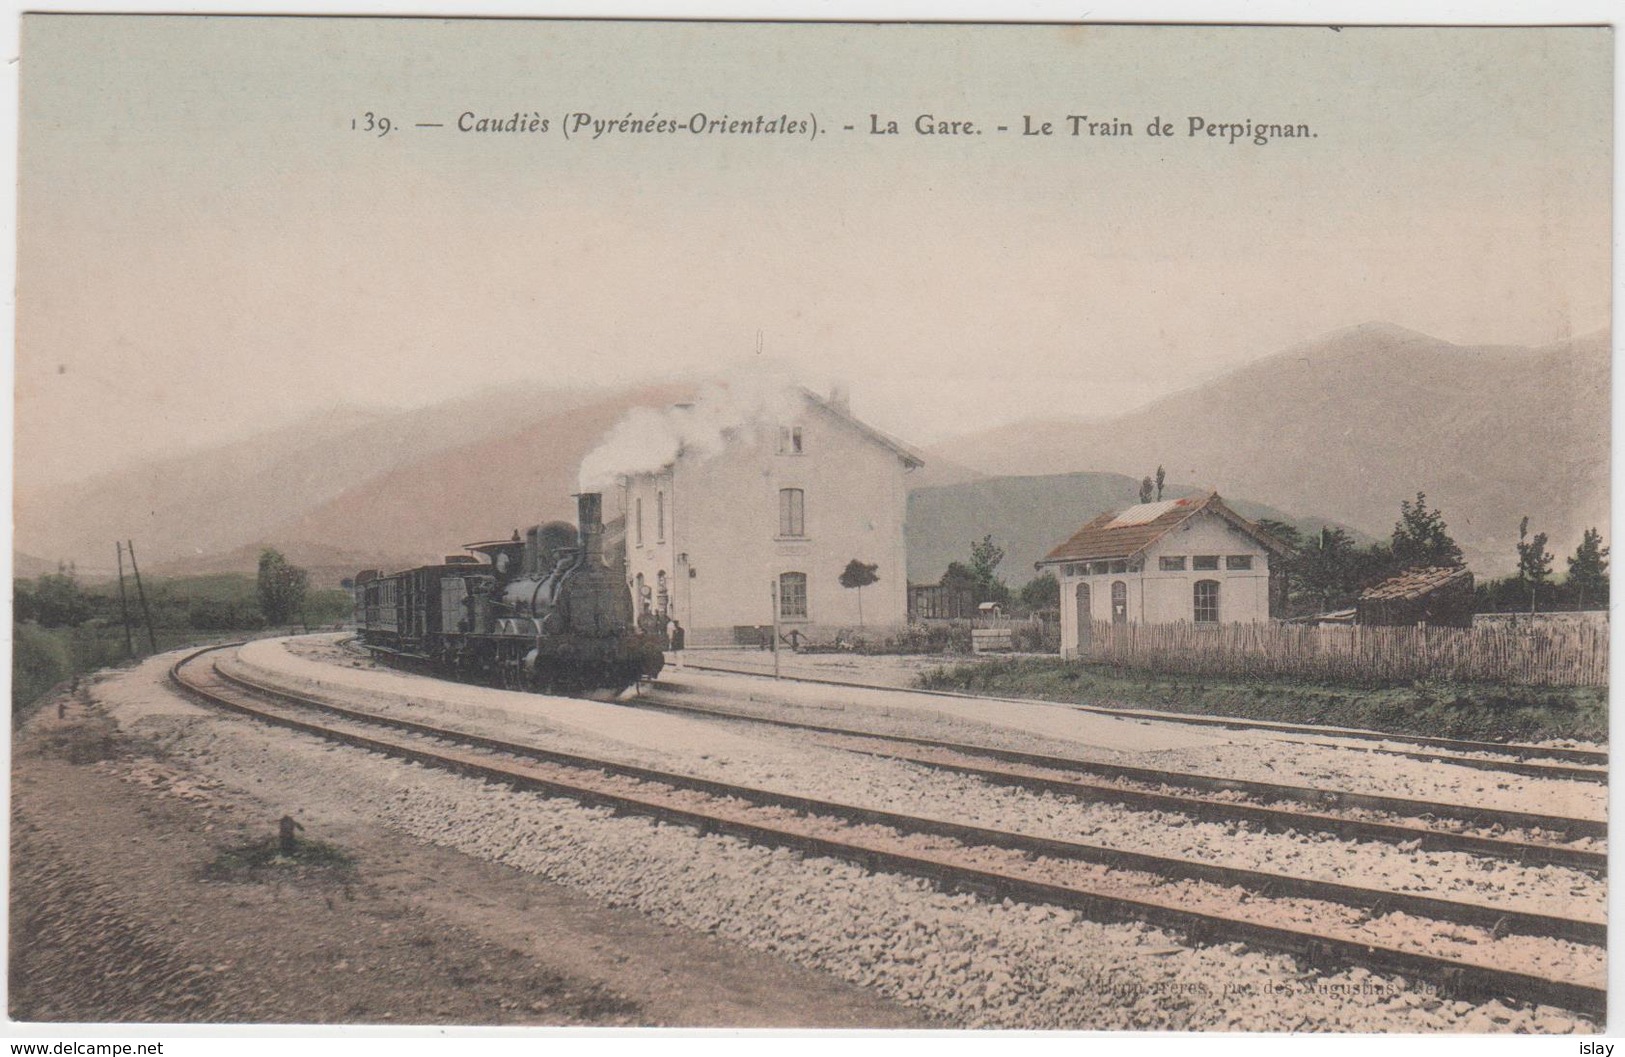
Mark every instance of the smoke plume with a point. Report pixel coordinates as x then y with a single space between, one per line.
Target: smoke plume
753 401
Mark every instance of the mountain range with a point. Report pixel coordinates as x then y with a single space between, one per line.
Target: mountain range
1336 430
1352 423
1028 515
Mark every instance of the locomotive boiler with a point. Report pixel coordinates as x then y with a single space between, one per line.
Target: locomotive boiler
539 611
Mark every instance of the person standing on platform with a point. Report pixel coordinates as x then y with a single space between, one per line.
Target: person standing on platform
675 632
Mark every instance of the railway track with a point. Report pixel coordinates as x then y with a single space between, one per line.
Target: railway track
1060 775
993 863
1511 758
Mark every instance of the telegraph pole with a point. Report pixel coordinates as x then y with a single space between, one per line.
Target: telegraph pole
124 602
152 636
773 594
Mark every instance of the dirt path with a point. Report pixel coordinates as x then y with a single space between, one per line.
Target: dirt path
113 919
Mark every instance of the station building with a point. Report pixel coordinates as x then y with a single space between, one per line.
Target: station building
1188 560
723 541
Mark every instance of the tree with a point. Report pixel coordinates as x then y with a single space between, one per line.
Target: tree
958 585
985 557
55 601
1373 565
860 575
1287 534
1588 569
1534 561
958 576
1285 569
1420 538
281 587
1331 568
24 603
1160 477
1040 593
1146 489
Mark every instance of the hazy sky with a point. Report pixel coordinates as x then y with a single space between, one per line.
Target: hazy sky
206 247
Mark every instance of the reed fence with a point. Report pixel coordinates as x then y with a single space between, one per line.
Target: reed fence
1574 654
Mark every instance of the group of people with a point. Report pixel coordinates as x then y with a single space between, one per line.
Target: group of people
672 631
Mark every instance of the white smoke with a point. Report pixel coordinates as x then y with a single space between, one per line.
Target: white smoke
751 403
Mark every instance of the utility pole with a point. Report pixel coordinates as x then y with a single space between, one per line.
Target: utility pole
124 603
152 636
773 594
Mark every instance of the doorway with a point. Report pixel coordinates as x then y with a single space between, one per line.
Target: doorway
1085 618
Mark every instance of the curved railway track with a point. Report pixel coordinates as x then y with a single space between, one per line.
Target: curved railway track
993 863
1512 758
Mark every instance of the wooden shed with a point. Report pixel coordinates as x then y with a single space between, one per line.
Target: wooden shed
1438 595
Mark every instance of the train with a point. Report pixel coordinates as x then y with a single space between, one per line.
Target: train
540 611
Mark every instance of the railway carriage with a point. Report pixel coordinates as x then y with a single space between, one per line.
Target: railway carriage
540 611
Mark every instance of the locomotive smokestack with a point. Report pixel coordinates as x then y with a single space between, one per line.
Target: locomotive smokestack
590 516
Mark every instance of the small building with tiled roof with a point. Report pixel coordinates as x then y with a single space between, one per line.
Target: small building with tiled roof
1436 595
1191 560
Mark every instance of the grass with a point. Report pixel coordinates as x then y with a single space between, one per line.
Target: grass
85 739
262 860
1493 713
45 657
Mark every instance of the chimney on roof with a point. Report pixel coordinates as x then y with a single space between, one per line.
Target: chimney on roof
840 397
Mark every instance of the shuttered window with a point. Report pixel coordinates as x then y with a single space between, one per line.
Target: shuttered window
792 512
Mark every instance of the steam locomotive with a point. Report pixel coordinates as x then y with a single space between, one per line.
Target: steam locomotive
538 612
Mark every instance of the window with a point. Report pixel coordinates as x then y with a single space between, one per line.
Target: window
1239 561
793 596
638 503
1120 566
1205 561
1099 568
1172 565
1207 601
660 516
789 440
792 512
1119 602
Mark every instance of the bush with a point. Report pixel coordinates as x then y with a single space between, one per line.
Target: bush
946 636
211 614
1455 710
328 606
1036 636
937 636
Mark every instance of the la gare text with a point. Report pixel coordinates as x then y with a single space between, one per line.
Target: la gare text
1083 125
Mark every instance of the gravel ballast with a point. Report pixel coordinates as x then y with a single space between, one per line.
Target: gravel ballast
792 763
964 960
